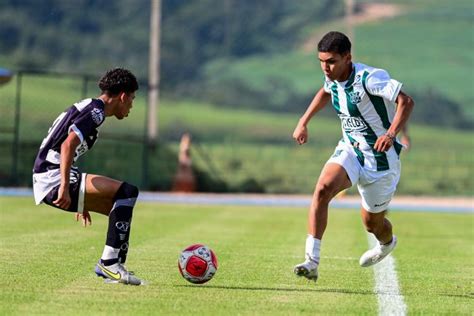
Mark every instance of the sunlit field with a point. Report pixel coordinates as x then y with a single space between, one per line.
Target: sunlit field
47 262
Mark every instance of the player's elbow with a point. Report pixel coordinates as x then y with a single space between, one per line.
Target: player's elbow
407 103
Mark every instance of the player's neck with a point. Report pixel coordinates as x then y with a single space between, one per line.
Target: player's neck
346 74
108 104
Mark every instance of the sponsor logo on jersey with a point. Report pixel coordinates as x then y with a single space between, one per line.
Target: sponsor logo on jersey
352 124
97 115
357 78
82 149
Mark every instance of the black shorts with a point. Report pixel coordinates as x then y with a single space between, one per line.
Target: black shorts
76 192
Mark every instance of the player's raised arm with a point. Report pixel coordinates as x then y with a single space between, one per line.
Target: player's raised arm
405 105
300 134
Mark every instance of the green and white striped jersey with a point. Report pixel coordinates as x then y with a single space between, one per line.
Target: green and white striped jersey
365 103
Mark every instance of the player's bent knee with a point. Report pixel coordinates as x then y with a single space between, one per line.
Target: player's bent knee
126 191
323 192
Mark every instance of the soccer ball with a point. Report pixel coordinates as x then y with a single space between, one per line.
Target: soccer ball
197 263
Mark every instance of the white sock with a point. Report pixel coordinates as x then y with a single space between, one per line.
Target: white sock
312 248
110 253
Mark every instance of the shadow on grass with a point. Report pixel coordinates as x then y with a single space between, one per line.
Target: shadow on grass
468 296
248 288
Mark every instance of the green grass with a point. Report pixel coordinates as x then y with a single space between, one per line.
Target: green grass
47 260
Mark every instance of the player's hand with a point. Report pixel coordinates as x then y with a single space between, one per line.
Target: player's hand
64 199
300 135
85 218
383 143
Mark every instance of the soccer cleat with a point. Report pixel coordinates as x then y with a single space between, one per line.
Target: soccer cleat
308 269
376 254
116 273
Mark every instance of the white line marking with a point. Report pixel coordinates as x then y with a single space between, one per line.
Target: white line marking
386 285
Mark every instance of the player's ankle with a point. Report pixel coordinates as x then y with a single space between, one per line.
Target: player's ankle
109 262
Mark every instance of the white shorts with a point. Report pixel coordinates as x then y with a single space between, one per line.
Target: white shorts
375 187
46 185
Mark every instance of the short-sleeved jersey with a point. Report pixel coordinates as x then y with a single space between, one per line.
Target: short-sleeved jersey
365 104
83 118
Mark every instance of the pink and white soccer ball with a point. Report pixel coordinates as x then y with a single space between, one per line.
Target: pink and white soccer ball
197 263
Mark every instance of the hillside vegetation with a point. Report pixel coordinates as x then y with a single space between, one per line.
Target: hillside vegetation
249 54
238 150
37 34
427 47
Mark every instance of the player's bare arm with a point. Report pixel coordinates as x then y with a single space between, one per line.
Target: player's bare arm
300 134
68 149
405 105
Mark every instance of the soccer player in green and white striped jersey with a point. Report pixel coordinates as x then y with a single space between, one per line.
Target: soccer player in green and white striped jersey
373 110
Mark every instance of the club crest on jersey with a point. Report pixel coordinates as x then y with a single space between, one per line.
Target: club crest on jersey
97 115
354 97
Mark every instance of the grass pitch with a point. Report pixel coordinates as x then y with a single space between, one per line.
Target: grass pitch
47 262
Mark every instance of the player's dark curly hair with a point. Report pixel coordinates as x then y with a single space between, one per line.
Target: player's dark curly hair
118 80
335 42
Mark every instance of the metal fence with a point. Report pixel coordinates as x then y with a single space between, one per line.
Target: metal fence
29 104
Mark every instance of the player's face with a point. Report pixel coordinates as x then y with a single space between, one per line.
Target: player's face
335 66
125 104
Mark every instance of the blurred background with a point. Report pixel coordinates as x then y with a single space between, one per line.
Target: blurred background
234 78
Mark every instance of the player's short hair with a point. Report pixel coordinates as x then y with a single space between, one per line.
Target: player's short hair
335 42
118 80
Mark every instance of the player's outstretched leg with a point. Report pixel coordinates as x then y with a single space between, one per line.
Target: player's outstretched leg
333 179
110 266
378 253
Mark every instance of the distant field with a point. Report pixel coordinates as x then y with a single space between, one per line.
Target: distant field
47 262
432 45
427 47
241 144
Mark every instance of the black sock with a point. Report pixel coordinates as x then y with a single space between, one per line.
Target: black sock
109 262
120 220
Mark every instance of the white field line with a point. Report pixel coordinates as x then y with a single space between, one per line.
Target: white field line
390 299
